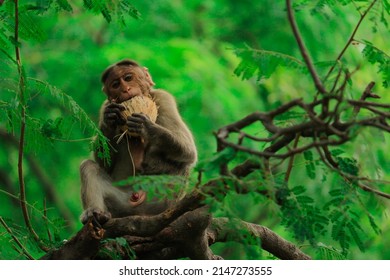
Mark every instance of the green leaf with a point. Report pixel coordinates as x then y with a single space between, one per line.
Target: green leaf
352 229
298 190
64 5
310 167
334 202
337 152
77 114
337 192
117 12
373 224
121 241
264 63
305 199
30 28
377 56
348 165
329 252
223 157
52 128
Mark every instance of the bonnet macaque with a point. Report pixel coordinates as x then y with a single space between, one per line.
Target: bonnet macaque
165 146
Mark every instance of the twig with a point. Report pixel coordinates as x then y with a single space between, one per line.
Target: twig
366 94
9 230
328 160
298 37
46 219
367 103
22 187
291 160
351 38
44 180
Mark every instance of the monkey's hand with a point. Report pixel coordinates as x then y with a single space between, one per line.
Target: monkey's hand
140 124
98 215
112 115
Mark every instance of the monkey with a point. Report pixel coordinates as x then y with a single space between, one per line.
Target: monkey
164 147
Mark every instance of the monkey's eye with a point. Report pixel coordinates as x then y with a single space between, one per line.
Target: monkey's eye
115 84
128 77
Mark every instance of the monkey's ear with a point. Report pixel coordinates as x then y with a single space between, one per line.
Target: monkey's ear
105 91
148 76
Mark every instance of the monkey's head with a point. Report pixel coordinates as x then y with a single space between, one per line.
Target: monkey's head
126 79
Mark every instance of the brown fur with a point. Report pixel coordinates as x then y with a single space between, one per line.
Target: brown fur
165 147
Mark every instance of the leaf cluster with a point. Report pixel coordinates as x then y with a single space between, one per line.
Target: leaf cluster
380 58
300 214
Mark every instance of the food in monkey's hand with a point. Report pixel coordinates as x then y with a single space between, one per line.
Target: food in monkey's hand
139 104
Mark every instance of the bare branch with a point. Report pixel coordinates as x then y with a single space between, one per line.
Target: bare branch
351 38
223 230
298 37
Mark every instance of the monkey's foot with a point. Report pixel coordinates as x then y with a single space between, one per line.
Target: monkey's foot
97 215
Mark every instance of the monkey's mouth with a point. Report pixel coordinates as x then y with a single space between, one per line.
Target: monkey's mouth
137 198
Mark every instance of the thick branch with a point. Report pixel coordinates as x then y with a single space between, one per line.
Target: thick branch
222 230
84 245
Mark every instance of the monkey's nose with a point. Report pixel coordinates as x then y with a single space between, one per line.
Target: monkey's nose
125 89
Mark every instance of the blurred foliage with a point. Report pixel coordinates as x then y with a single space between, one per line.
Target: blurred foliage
193 49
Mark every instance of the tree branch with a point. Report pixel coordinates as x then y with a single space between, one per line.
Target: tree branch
47 184
222 230
351 38
22 187
298 37
9 230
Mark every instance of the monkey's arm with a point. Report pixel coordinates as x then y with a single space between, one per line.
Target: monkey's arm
176 145
169 136
109 119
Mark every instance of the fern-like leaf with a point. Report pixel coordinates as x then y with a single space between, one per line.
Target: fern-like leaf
119 11
76 112
353 226
64 5
310 167
348 165
377 56
329 252
214 163
300 215
29 26
264 63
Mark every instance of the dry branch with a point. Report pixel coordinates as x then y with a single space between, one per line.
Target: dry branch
189 236
222 231
321 128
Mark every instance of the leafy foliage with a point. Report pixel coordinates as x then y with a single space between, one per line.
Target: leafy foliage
310 167
345 221
157 186
376 56
329 253
300 214
264 63
64 48
117 11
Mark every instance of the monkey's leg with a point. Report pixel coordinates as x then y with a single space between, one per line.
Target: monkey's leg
102 200
95 183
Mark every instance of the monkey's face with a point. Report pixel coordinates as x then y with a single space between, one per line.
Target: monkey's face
125 82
